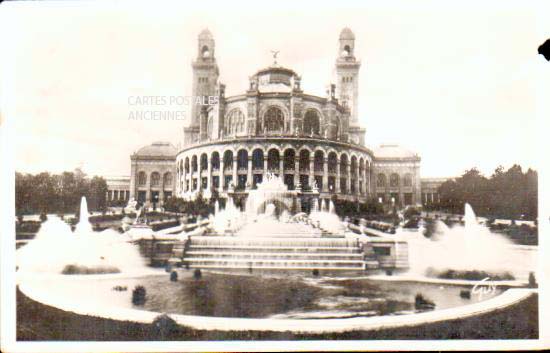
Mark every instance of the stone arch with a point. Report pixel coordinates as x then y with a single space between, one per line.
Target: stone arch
312 122
155 179
186 165
228 159
332 162
407 180
303 159
258 158
381 181
280 206
234 122
318 160
273 120
289 157
215 160
204 161
242 159
194 163
353 165
273 158
167 180
142 178
394 180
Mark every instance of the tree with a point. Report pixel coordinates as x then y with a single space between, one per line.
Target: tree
506 194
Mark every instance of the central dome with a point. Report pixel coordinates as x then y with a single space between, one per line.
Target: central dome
275 79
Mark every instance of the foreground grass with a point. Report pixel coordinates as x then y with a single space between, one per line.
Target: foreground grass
36 321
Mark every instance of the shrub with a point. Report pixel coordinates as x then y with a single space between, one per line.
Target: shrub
423 303
197 274
174 276
466 294
315 272
411 212
164 326
139 295
475 275
532 280
43 217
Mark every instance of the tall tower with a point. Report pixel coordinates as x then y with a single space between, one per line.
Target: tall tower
347 75
205 74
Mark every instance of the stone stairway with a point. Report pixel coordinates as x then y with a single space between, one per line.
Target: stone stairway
335 254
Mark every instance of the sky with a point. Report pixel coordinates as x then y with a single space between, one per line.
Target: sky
455 82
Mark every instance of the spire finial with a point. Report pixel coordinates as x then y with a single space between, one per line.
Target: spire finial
275 53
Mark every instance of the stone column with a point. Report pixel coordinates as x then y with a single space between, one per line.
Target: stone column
209 175
357 174
199 178
337 186
222 174
348 180
265 168
311 171
281 167
235 166
325 175
148 192
249 171
296 171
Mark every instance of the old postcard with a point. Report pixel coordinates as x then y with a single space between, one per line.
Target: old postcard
274 177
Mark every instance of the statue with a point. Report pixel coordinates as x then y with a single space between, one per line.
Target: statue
315 188
131 206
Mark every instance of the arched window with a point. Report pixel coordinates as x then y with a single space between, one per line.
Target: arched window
242 159
381 181
407 181
205 52
273 158
288 158
346 51
319 161
167 182
312 124
353 166
228 160
304 161
194 165
344 164
186 165
258 159
142 178
204 161
394 180
210 127
215 161
274 120
234 122
332 162
155 179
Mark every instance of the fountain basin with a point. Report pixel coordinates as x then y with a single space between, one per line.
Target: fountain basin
92 301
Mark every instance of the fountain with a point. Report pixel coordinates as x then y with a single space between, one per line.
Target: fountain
472 247
279 242
56 249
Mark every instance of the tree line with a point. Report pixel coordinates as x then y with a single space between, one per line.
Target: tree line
58 193
510 194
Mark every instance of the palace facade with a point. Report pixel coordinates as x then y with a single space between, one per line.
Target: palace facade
315 144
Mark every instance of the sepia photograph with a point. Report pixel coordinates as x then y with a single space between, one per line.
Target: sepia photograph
274 177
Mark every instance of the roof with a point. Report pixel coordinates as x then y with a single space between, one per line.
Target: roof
158 149
276 70
389 151
347 34
205 34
